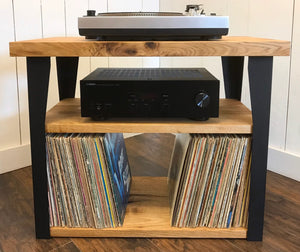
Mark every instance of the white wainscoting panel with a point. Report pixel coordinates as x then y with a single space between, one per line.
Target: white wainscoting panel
9 111
28 25
293 122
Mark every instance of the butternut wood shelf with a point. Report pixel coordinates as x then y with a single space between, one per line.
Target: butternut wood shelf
234 117
148 215
78 46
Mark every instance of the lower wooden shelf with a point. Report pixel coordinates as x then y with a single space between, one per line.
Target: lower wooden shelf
148 215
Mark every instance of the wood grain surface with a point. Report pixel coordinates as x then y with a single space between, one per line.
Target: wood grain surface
78 46
234 117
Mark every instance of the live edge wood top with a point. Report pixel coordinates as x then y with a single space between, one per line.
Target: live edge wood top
234 117
78 46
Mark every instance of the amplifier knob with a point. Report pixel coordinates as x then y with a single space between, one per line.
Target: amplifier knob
202 100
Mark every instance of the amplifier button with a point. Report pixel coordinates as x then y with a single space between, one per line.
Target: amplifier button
165 97
99 107
100 112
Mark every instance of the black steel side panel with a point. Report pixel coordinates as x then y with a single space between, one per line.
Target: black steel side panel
38 70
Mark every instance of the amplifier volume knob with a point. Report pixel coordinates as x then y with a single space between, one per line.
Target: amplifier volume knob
202 100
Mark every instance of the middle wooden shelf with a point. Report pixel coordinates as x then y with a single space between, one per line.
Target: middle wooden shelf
234 117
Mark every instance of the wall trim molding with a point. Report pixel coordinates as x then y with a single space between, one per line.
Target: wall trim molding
15 158
284 163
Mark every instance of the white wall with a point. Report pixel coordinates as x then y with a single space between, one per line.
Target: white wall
10 127
9 106
41 18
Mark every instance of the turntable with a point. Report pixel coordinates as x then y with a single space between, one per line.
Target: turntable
194 24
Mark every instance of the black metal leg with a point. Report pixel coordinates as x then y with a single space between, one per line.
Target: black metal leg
66 75
233 76
260 80
38 70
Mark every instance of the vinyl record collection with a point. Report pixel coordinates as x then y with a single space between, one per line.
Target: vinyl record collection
209 180
88 179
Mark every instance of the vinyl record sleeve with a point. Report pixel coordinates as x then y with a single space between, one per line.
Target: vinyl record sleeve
180 150
119 170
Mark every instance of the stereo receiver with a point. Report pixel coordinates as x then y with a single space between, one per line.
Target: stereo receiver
150 92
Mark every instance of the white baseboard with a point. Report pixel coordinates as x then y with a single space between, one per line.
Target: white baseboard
15 158
284 163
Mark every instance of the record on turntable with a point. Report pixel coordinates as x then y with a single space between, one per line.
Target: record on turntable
194 24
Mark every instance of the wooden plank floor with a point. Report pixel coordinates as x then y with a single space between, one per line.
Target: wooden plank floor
149 154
